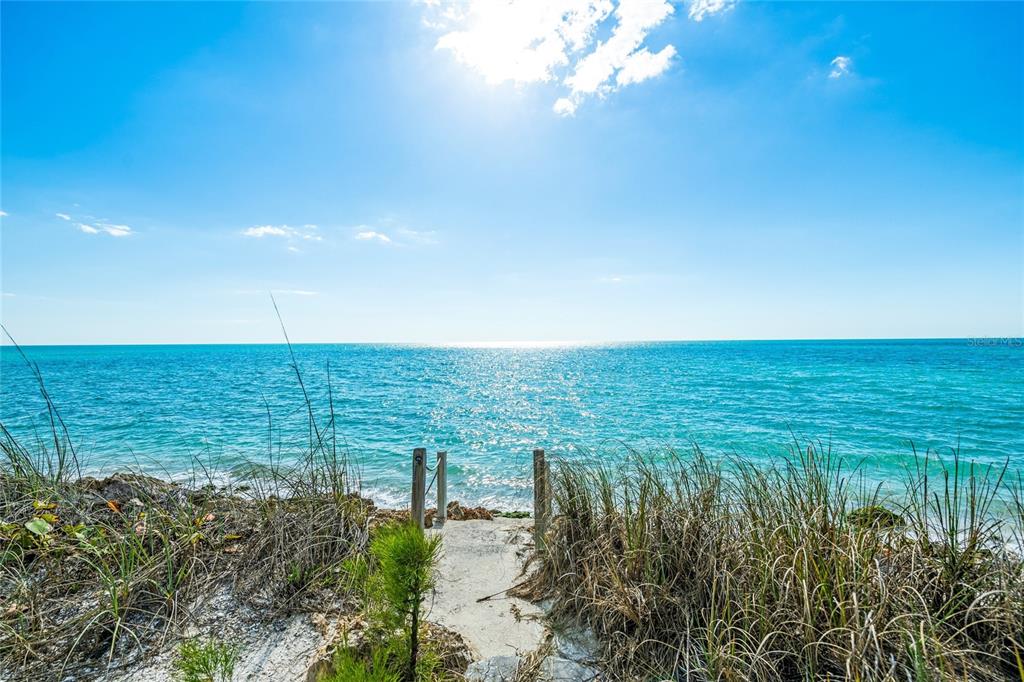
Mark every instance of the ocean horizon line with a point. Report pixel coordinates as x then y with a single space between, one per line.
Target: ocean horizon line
1008 340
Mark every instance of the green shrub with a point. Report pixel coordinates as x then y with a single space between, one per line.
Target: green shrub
348 667
404 574
210 661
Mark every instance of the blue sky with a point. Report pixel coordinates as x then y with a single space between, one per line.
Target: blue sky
408 172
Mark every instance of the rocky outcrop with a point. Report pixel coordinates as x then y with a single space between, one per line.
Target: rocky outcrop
495 669
456 512
514 668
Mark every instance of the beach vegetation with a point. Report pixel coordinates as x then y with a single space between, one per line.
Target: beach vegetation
405 561
394 579
210 660
349 666
96 572
689 568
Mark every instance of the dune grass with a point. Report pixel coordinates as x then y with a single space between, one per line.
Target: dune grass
691 569
95 574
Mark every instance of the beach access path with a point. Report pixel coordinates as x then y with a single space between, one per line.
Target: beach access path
484 559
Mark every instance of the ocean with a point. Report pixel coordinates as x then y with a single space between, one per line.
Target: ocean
872 402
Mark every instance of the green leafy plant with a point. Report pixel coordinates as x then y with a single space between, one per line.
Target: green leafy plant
38 526
209 661
405 558
347 666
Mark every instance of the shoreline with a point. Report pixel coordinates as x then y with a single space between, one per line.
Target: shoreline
110 573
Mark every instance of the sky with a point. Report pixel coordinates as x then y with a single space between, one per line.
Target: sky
563 171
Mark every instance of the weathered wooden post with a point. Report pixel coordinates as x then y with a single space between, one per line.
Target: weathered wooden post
541 504
547 495
419 485
442 487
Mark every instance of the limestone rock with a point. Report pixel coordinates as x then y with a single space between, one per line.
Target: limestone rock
122 486
578 645
456 512
494 669
558 669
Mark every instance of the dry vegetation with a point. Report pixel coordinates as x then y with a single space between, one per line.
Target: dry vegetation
688 569
96 574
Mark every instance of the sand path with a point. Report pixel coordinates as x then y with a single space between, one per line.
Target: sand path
481 558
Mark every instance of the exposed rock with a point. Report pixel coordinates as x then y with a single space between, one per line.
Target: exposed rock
123 487
577 644
456 512
558 669
551 669
494 669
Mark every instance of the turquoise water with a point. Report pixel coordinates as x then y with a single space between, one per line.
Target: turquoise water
158 406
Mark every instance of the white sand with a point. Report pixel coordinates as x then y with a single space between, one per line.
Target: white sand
480 558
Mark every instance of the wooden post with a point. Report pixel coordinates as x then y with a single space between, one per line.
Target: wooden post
541 506
419 485
547 495
442 488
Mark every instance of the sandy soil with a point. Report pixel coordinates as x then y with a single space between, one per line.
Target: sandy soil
276 651
481 558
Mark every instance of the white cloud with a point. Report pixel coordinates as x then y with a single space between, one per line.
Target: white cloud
117 230
644 64
612 279
260 231
521 42
394 236
420 237
276 292
524 41
291 234
7 294
699 9
635 18
294 292
98 226
841 66
3 214
373 235
104 228
564 106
